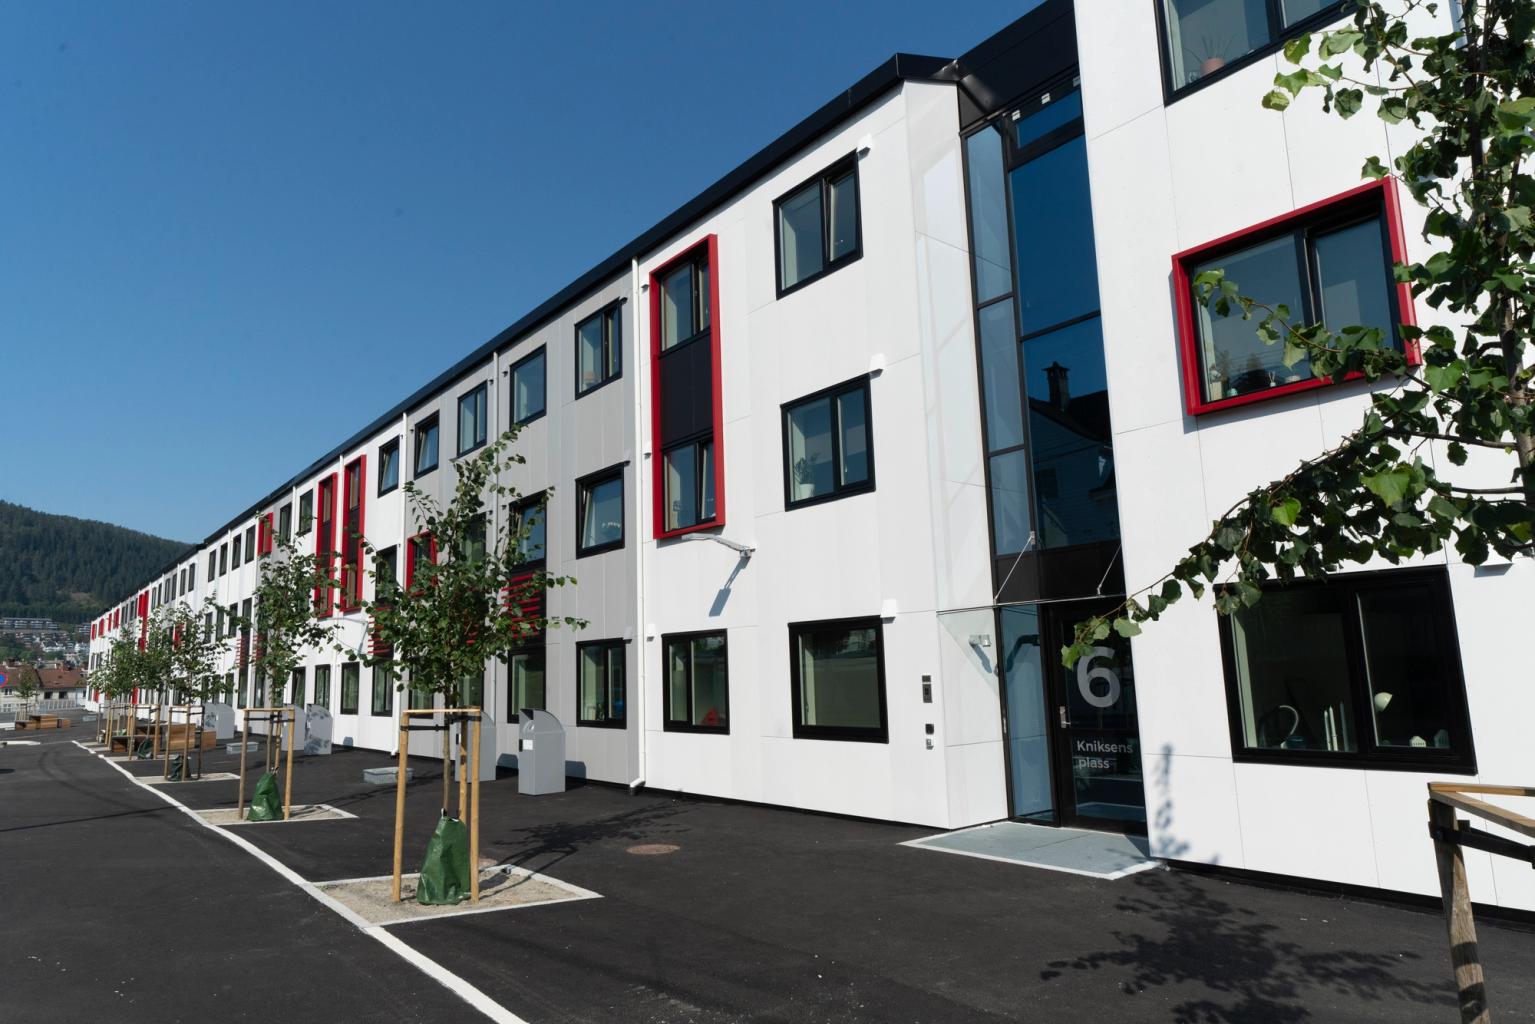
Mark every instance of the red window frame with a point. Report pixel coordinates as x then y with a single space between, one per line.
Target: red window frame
413 546
325 542
710 245
264 536
354 486
1383 192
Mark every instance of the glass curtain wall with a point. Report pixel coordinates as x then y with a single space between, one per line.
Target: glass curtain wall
1044 388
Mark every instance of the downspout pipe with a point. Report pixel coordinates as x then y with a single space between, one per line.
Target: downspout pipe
640 477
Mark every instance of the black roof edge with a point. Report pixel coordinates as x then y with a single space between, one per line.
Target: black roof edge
899 68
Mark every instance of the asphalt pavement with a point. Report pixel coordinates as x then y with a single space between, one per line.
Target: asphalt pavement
121 908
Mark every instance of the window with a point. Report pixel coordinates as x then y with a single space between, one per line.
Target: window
234 561
388 466
600 512
529 519
818 229
599 349
528 388
685 301
234 617
1359 669
213 565
353 522
685 389
697 682
386 569
285 522
471 690
1330 263
351 679
322 685
297 688
305 512
325 544
838 671
223 558
426 446
689 472
250 543
383 690
600 676
1204 38
828 445
525 680
472 420
264 531
422 548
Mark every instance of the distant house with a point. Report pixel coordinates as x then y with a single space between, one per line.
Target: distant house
60 680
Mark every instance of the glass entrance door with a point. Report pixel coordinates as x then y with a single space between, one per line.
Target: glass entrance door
1095 731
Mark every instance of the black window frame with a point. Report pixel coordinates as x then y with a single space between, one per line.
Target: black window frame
390 448
1280 35
824 178
620 645
669 724
482 390
583 485
318 669
856 734
305 512
612 317
538 644
839 490
433 423
699 285
344 709
700 466
234 550
1370 754
223 558
285 521
389 689
516 512
511 388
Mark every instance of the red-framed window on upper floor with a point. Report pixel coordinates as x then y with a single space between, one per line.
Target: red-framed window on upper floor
686 416
1329 262
420 548
325 542
353 522
264 533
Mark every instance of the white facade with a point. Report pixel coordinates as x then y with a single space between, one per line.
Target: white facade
915 551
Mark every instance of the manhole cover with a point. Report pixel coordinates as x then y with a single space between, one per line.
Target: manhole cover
652 849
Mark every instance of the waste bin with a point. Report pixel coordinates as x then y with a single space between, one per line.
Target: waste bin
541 760
220 718
316 724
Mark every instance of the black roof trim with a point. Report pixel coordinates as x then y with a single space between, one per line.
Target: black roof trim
901 67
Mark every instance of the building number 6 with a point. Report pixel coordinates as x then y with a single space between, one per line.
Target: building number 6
1086 674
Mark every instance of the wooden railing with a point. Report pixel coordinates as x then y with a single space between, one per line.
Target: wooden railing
1451 835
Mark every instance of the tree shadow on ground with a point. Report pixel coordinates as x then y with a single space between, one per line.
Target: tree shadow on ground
541 847
1245 970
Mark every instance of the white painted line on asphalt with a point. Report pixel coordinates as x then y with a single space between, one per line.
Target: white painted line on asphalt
425 964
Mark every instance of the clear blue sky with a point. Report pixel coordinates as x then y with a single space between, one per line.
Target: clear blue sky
231 234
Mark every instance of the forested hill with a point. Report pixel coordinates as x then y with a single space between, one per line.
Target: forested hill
68 569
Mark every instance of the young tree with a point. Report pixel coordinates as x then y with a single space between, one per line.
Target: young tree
1471 96
284 608
118 675
26 684
193 659
460 610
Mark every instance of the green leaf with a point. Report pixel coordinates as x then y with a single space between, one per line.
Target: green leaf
1348 102
1442 378
1390 486
1275 100
1334 43
1297 48
1100 630
1286 512
1457 453
1126 628
1373 169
